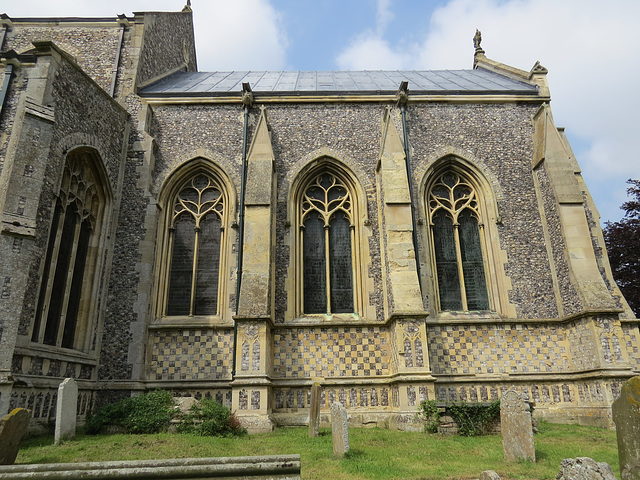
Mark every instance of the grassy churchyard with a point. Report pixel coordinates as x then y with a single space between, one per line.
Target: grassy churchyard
375 453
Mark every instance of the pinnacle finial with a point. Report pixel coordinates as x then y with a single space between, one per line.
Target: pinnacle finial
477 40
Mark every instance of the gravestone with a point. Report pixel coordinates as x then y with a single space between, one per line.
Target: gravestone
12 428
314 414
339 429
517 431
626 415
66 410
584 468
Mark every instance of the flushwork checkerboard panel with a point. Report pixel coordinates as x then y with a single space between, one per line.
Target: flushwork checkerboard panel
191 354
330 352
457 349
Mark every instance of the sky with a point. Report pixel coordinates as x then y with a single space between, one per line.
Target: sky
588 46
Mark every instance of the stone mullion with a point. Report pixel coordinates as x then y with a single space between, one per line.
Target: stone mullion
463 291
327 266
194 269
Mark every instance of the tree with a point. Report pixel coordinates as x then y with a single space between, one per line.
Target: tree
623 245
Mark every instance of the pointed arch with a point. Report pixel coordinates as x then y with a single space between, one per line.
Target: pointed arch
68 290
198 202
327 212
464 254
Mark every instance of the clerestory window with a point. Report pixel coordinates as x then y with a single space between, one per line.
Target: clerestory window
65 301
195 235
457 239
327 244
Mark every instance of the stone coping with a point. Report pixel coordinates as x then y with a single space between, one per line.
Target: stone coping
276 467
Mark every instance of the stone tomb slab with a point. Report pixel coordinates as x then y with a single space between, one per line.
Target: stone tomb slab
516 427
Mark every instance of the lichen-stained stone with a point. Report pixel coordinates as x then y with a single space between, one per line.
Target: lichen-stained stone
339 429
626 415
12 428
516 428
584 468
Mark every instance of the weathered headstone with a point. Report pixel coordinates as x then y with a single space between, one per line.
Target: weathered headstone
12 428
66 410
626 415
339 429
489 475
314 414
584 468
517 431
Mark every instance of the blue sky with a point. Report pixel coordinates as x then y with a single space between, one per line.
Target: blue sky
591 52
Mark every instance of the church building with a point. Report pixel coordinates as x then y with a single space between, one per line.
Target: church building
395 236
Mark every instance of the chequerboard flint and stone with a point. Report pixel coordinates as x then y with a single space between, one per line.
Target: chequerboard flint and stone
395 236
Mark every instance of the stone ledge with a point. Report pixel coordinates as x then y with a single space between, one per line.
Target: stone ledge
276 467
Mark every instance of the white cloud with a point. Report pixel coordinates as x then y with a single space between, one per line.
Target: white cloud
589 49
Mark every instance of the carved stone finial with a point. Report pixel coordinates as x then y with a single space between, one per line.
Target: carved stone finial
477 40
187 7
537 68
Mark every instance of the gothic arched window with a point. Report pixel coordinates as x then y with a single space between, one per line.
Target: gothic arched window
457 239
65 299
327 243
195 235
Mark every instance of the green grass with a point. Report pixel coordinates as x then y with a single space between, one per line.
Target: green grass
375 453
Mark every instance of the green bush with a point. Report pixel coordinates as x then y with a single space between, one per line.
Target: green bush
428 412
147 413
474 418
209 418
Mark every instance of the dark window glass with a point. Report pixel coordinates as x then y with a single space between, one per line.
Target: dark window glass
68 335
53 233
60 277
315 283
179 301
207 273
446 261
472 263
341 266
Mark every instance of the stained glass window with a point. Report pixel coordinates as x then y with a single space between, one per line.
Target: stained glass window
454 216
195 238
327 235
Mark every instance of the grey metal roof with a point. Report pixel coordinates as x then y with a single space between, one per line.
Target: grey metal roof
476 81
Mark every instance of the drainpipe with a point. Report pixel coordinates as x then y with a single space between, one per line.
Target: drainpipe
403 98
123 21
247 100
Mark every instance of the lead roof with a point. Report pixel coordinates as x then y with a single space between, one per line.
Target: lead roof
478 81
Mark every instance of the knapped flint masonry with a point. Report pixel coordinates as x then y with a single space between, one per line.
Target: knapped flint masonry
120 189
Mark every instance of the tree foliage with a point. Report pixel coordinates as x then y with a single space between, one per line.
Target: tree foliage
623 245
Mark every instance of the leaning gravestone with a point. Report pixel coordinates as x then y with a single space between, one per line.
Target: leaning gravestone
626 415
66 410
584 468
339 429
517 431
12 428
314 414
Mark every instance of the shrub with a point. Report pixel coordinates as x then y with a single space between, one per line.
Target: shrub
428 412
147 413
474 418
209 418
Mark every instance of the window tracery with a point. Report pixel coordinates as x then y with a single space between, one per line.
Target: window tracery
195 239
64 301
327 239
457 239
